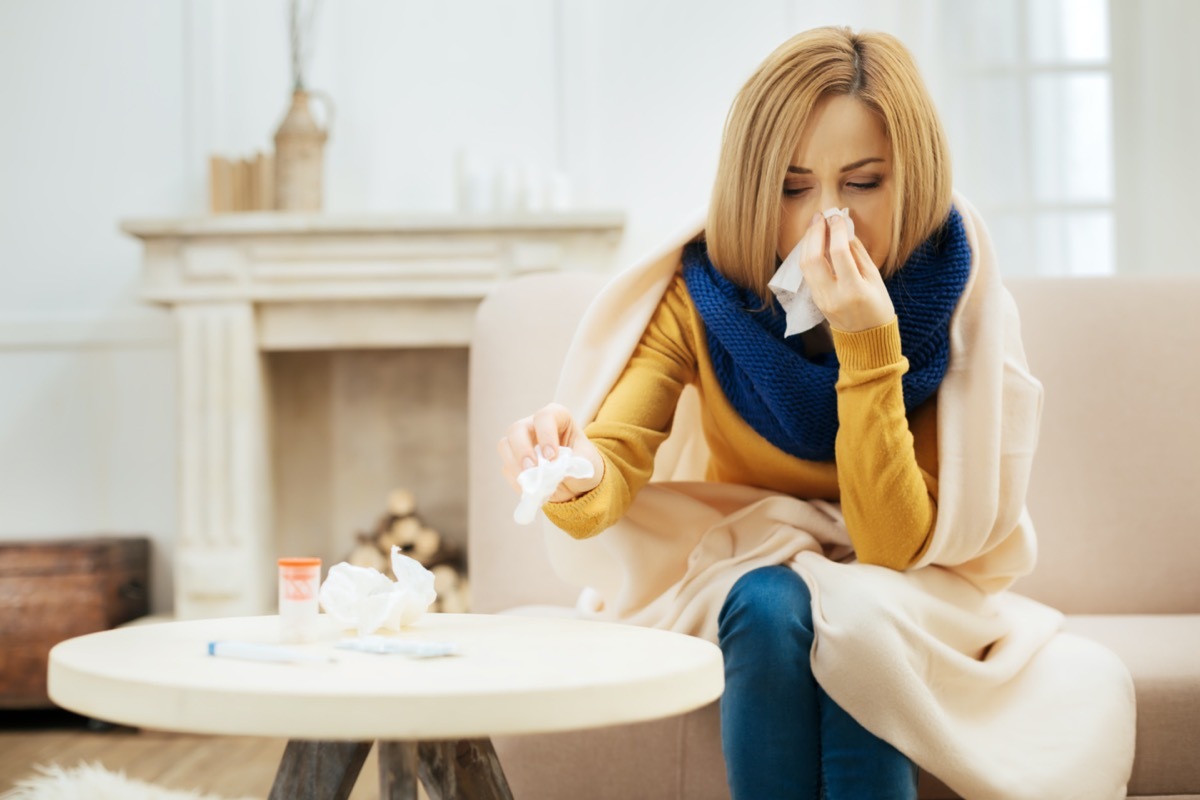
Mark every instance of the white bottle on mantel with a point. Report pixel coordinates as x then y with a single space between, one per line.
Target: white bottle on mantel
299 583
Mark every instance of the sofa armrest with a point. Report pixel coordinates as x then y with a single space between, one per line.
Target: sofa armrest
522 331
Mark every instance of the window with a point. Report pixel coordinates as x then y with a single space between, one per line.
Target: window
1032 131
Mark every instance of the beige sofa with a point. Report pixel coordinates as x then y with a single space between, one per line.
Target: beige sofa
1115 497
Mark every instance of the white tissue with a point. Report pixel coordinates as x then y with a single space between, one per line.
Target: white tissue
538 483
366 599
845 214
793 293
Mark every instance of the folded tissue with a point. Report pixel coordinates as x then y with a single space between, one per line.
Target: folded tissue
793 293
538 483
366 599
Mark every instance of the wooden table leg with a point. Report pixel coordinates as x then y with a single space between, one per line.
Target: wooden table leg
397 770
467 769
318 770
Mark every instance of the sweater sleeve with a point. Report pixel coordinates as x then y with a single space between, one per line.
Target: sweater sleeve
635 418
888 500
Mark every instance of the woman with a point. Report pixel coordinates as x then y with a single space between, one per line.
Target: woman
821 450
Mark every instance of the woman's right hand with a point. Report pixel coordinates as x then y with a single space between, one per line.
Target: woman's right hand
545 431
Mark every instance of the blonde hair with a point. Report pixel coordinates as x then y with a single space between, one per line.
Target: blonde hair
768 118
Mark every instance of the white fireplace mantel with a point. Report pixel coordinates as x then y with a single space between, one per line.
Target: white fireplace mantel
242 285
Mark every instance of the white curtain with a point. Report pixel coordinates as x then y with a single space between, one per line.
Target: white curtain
1024 90
1156 104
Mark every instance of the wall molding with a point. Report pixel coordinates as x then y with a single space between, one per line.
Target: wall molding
20 332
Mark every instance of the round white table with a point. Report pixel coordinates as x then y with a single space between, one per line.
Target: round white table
432 717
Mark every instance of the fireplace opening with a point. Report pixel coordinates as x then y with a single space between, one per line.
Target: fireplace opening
350 426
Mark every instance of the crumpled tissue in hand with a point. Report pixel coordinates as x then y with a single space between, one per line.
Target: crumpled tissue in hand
366 599
538 483
793 293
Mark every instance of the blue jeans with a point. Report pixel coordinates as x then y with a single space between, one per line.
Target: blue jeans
783 737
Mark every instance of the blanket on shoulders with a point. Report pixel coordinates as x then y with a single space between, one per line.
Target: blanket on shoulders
977 684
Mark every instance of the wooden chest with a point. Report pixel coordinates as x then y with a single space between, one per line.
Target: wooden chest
51 590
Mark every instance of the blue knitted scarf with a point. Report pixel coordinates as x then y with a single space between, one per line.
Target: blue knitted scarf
789 398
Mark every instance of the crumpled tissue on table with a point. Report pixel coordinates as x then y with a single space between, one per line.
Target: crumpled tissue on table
538 483
366 599
793 293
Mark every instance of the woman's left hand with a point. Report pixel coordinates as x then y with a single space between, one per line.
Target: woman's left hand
846 285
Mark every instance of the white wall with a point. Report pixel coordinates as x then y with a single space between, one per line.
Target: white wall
91 130
109 110
1156 69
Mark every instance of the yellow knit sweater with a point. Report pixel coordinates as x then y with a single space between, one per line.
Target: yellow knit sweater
885 467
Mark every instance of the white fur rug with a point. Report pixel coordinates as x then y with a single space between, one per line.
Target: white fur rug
92 782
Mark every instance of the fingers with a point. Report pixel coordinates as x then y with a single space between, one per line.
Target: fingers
543 432
866 267
550 425
844 265
812 257
846 285
521 442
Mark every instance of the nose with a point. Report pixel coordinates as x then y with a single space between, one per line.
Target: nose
829 198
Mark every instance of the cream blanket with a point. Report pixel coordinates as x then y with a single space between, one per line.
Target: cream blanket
978 685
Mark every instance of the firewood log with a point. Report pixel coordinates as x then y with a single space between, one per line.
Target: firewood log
445 583
401 502
426 544
403 534
454 603
445 578
368 555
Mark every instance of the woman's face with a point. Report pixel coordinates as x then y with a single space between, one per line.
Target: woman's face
843 160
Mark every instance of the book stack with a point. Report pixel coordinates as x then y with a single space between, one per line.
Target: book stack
243 184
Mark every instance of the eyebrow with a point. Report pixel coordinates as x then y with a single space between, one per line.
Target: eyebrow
847 168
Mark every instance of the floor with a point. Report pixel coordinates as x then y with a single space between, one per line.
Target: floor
227 766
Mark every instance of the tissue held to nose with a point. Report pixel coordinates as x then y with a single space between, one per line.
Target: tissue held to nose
844 213
539 482
788 286
366 599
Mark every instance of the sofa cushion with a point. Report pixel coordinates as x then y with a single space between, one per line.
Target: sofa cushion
1162 652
